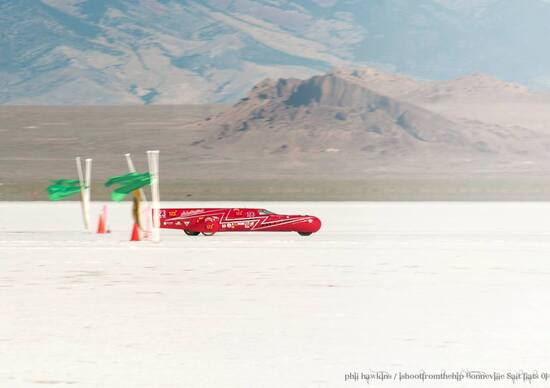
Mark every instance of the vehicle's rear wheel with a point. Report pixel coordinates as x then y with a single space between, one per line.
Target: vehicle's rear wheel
304 233
208 233
191 233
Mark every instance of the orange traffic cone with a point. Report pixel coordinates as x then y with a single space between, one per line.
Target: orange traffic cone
135 233
101 224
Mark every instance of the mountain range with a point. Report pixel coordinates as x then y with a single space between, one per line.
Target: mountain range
205 51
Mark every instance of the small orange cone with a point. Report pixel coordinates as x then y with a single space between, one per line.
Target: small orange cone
101 224
135 233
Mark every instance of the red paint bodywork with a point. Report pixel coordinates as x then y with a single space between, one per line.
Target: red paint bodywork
214 220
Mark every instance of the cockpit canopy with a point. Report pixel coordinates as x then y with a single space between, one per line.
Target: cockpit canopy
264 212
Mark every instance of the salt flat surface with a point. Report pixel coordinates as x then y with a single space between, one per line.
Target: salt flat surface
382 287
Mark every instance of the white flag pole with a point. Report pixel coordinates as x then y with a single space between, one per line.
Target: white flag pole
156 220
151 212
153 158
131 167
87 191
82 192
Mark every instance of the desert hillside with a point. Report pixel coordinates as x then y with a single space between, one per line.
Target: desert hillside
366 115
472 97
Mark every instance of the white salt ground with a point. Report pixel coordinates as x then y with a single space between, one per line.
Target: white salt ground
395 287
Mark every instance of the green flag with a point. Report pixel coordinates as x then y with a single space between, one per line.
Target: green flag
127 183
63 188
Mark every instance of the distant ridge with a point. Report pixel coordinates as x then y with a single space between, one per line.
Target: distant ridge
365 114
466 87
330 114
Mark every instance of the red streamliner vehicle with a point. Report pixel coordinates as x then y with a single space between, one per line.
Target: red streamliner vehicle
211 221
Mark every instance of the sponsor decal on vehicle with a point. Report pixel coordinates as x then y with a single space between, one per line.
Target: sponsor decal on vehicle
191 212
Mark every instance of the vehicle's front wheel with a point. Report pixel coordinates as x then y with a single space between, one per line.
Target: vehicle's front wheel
304 233
191 233
208 233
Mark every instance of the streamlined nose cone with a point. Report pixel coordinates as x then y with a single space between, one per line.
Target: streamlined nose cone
313 224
